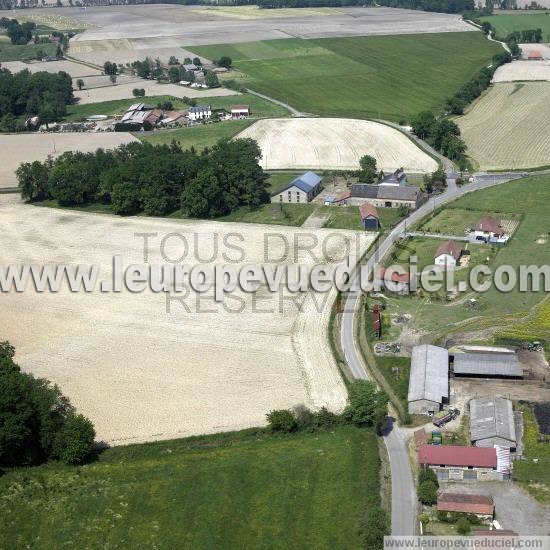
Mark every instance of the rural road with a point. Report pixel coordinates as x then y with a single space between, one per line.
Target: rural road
404 501
294 111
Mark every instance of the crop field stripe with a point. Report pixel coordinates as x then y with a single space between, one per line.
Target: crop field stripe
390 77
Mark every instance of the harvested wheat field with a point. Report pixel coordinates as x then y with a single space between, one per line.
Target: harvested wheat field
151 87
523 71
18 148
335 144
143 369
509 127
76 70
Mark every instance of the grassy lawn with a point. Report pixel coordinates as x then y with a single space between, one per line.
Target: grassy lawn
279 180
534 475
508 23
526 198
237 490
347 217
396 371
273 213
12 52
199 137
360 76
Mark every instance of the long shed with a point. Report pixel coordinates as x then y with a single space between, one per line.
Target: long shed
429 379
492 422
487 365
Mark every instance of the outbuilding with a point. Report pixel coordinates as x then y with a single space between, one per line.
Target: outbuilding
300 190
492 422
240 111
487 365
428 380
386 195
369 217
479 505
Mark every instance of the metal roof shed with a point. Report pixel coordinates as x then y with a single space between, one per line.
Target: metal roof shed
492 422
487 365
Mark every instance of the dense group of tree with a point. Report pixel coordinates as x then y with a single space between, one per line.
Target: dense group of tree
273 4
18 33
37 423
476 85
442 6
442 134
156 180
24 95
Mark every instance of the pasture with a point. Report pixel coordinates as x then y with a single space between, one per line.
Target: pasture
336 144
361 77
14 52
238 490
509 127
507 23
150 366
18 148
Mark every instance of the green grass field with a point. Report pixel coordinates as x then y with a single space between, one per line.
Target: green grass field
12 52
508 23
454 221
236 490
347 217
199 137
273 213
391 77
526 198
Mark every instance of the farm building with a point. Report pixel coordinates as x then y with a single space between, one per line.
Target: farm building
369 217
448 254
456 463
240 111
200 112
385 195
397 178
487 365
429 379
300 190
480 505
492 422
534 55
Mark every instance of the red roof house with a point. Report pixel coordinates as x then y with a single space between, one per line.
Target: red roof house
534 55
470 504
489 225
367 209
450 248
457 456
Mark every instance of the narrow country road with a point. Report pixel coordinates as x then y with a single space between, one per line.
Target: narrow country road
404 501
294 111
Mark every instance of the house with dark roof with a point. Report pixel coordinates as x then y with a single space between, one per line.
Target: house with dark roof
199 112
457 463
487 227
448 254
369 217
386 195
479 505
302 189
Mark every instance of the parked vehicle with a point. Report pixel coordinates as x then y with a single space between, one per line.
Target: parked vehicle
441 418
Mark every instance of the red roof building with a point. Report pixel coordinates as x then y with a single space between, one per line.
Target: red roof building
470 504
457 456
489 225
534 55
451 248
366 210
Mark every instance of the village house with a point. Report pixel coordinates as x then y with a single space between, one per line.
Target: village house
300 190
492 422
369 217
448 254
487 228
457 463
392 192
399 283
199 112
479 505
240 111
428 380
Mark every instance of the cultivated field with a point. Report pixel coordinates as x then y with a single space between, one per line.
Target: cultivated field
144 368
151 87
18 148
360 77
76 70
523 71
544 49
507 23
295 491
126 33
509 127
335 144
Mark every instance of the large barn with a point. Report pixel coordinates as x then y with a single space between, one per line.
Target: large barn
302 189
487 365
492 422
429 379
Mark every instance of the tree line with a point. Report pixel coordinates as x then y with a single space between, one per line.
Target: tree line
37 423
24 95
443 6
154 179
19 34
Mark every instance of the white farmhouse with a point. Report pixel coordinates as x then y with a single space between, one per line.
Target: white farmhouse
448 254
200 112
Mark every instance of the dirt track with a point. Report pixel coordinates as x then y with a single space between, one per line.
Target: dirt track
142 373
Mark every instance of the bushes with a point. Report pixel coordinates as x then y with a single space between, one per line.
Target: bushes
282 420
37 423
375 527
426 475
463 526
427 493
